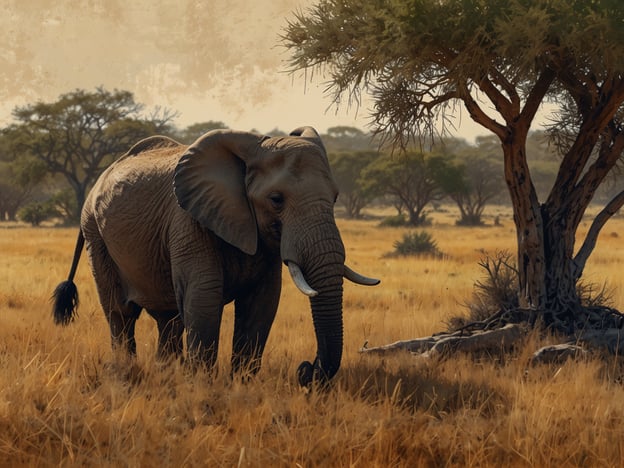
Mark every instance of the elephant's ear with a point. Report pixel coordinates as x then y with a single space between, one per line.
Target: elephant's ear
209 183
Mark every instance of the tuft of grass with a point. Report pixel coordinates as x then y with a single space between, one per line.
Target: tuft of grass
416 243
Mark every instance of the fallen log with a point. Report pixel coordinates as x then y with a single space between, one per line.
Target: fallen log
594 328
418 345
437 345
497 339
557 354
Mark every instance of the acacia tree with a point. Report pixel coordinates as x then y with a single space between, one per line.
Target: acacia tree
79 135
472 182
347 167
413 179
194 131
419 59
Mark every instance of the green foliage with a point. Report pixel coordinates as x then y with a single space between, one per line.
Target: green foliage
194 131
400 220
420 59
416 243
473 178
411 178
346 139
36 212
80 134
347 168
394 221
64 203
413 55
19 178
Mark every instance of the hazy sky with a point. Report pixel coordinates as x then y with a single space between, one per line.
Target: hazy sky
208 60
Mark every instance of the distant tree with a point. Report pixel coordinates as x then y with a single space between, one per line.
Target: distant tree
194 131
471 182
12 198
501 60
81 134
19 177
37 212
64 203
276 132
345 138
412 179
543 159
344 132
347 169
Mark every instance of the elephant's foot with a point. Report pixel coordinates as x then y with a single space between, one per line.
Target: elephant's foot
309 374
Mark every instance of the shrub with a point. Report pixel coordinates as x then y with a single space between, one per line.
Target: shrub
394 221
36 212
499 291
401 220
416 243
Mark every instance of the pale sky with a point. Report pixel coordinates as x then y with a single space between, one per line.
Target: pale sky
208 60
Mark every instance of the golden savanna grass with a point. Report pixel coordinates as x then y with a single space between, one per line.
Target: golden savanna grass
66 400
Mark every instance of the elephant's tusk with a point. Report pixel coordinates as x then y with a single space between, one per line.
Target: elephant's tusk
359 279
299 280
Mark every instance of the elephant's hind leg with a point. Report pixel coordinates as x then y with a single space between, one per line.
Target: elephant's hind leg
120 312
170 332
122 320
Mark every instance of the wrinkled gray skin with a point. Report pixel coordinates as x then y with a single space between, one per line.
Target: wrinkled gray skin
181 231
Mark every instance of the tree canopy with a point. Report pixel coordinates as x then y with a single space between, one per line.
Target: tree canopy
80 134
347 168
501 60
413 179
471 181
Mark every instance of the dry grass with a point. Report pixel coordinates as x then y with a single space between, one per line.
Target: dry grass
65 400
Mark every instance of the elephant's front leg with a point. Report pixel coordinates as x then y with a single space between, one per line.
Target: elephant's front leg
202 311
254 314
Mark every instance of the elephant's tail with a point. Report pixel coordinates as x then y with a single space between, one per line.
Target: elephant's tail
65 295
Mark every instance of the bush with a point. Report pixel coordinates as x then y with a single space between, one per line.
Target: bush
394 221
401 221
499 291
36 212
416 243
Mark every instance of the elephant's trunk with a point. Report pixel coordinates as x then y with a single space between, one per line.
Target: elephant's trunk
327 317
320 254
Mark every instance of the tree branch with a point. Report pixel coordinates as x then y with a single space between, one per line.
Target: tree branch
478 115
536 97
611 149
592 235
503 105
592 128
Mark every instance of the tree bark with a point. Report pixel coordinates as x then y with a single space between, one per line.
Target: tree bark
529 224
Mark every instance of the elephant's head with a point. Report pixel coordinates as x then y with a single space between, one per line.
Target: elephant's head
277 193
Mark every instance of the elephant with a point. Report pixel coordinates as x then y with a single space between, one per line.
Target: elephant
180 231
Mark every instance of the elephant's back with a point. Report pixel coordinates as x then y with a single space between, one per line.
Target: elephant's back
131 208
137 186
152 159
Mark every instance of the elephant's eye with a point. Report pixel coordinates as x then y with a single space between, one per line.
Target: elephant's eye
277 200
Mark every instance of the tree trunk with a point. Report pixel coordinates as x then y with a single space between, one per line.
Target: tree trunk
529 225
547 282
80 192
562 299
